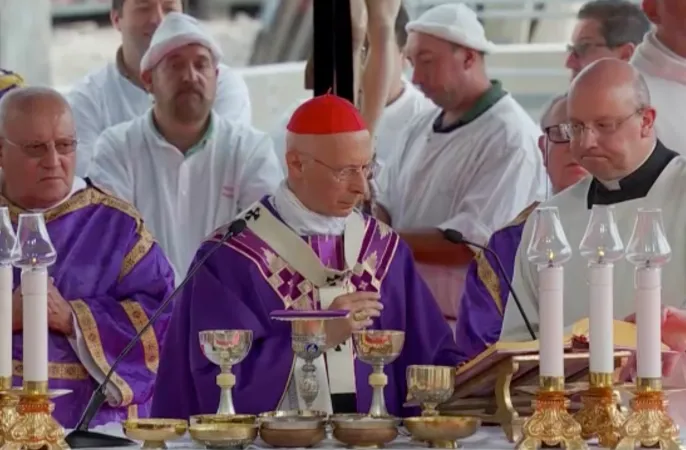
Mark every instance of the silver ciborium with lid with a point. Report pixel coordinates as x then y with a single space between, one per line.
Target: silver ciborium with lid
308 340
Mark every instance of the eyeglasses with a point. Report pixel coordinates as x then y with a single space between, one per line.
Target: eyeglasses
369 171
580 50
603 127
40 149
557 134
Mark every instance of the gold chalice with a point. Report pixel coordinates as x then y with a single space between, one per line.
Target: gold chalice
378 348
154 432
430 386
226 348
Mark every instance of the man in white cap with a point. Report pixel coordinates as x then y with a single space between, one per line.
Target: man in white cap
186 168
661 59
473 166
115 93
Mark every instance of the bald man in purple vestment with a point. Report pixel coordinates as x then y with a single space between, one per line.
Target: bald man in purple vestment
481 308
313 213
109 277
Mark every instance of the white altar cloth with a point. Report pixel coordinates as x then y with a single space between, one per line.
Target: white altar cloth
487 438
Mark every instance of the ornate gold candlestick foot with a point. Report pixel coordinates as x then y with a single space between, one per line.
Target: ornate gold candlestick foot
551 425
34 427
8 408
600 416
648 423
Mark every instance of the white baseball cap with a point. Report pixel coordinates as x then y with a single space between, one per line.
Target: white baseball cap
453 22
177 30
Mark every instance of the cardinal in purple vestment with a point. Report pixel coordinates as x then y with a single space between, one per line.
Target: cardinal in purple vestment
481 308
109 277
329 165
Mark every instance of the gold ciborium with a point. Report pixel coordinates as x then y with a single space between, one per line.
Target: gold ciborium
226 348
8 407
430 386
154 432
221 431
378 348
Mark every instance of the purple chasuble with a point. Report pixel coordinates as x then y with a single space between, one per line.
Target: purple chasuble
480 315
245 280
114 276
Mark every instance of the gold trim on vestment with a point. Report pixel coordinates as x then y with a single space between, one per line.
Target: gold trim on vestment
151 348
91 334
484 270
95 196
56 371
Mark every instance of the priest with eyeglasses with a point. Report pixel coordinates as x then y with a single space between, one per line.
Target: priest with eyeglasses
611 121
110 275
305 248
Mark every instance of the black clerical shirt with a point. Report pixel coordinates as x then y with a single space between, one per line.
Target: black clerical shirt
635 185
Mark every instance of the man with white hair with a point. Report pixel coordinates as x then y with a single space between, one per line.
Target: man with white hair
186 168
661 59
116 93
473 166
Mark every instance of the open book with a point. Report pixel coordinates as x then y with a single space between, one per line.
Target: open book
575 340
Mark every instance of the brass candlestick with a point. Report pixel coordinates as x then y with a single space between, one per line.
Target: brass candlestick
648 424
8 407
599 415
551 424
34 427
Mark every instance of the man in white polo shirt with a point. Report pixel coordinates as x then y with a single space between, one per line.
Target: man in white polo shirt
115 93
473 166
187 169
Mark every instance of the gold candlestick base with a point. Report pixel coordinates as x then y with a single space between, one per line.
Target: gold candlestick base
8 407
648 423
34 427
551 425
599 415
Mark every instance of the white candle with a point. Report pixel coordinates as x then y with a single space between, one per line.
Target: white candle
648 323
601 315
5 321
34 289
551 321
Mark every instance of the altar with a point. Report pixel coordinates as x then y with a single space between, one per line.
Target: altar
487 438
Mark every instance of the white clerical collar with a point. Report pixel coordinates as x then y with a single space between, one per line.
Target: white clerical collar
303 221
615 185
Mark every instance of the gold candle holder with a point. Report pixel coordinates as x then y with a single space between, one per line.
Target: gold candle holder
34 427
648 423
599 415
551 425
8 407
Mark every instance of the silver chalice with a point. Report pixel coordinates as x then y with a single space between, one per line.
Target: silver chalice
226 348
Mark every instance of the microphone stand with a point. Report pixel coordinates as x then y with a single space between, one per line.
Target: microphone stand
456 237
81 436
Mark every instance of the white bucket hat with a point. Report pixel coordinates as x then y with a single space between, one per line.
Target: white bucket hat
453 22
177 30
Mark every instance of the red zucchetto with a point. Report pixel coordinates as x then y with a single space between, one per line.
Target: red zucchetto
326 114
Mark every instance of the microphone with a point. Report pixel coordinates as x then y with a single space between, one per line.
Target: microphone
81 437
456 237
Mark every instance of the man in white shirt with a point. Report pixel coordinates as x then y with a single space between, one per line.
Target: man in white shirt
404 102
116 94
186 168
661 58
473 166
605 29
